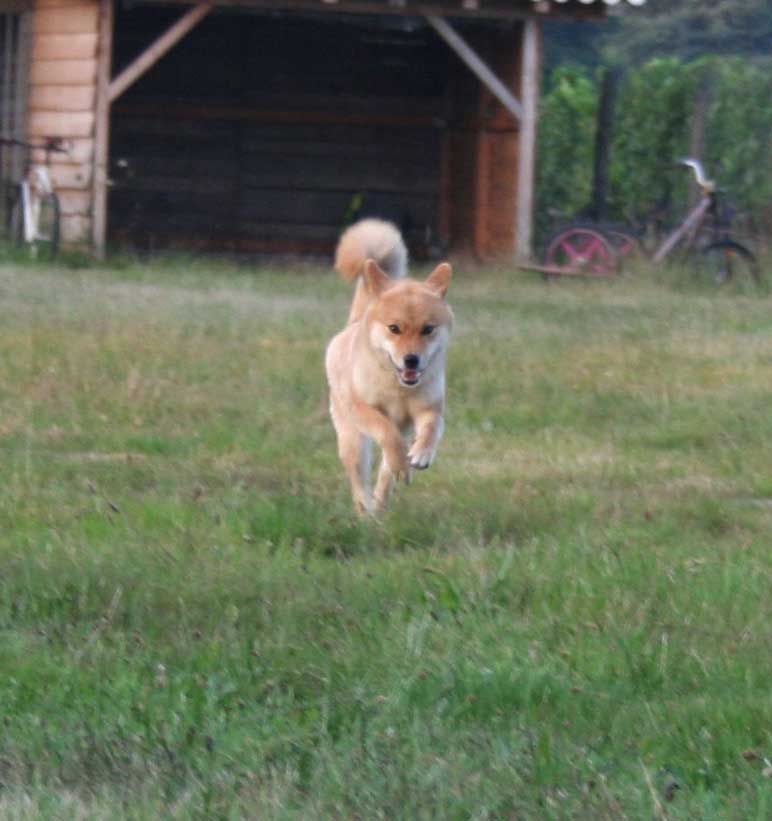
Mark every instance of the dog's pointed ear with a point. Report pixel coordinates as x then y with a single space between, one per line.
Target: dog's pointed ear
376 279
439 279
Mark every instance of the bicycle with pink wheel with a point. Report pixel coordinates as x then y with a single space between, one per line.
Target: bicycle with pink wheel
591 250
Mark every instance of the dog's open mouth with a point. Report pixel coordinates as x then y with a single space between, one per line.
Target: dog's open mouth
408 377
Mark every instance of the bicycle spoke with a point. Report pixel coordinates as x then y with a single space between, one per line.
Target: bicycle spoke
579 249
572 253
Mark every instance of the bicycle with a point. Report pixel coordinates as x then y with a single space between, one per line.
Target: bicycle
36 213
587 249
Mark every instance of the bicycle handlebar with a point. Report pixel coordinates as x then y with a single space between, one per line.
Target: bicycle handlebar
48 144
699 174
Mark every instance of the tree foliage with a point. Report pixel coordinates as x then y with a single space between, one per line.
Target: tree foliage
566 139
653 124
689 30
740 132
650 136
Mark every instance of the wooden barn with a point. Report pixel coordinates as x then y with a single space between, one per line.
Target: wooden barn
267 125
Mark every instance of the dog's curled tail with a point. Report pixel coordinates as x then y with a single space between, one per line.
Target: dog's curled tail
371 239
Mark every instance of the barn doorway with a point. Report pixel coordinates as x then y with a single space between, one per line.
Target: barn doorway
269 133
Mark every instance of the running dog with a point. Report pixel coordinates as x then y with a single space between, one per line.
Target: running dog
386 368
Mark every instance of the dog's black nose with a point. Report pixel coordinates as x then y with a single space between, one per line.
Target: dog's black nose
411 361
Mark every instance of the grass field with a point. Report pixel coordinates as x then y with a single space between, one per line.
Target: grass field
568 617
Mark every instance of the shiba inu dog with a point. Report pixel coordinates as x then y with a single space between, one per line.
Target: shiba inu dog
386 369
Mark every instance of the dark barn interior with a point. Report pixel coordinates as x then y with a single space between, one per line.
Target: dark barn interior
269 131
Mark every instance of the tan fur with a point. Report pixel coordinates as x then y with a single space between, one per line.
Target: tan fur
369 239
376 394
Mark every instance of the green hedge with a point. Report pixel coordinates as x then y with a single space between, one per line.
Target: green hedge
654 112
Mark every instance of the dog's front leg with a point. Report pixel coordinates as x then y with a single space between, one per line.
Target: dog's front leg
383 487
354 452
379 427
429 426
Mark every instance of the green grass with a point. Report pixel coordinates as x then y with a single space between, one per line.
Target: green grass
569 611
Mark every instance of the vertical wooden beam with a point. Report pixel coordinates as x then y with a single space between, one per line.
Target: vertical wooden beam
529 96
108 90
102 128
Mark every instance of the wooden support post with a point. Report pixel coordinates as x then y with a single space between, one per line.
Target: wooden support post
102 129
153 53
476 65
530 81
107 91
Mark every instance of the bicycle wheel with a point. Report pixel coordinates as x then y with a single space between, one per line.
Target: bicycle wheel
624 243
726 262
582 250
45 243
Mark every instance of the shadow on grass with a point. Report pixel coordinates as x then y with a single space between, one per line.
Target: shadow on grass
487 514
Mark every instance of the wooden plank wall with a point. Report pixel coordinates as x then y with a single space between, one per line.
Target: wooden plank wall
482 167
61 102
259 133
502 135
460 206
266 145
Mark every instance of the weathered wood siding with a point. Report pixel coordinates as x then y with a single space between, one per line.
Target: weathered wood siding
62 83
258 133
482 166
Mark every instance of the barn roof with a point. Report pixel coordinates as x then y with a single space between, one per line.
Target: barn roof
607 2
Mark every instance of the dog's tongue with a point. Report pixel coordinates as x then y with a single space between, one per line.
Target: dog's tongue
410 376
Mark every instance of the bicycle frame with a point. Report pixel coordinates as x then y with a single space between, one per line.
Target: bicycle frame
589 249
34 188
688 228
694 220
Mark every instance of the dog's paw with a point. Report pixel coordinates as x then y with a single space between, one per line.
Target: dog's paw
420 458
398 464
364 506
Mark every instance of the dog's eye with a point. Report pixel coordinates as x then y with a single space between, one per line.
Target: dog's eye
395 329
427 329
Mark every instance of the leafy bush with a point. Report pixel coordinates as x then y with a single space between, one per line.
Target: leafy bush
739 128
654 112
566 144
651 134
